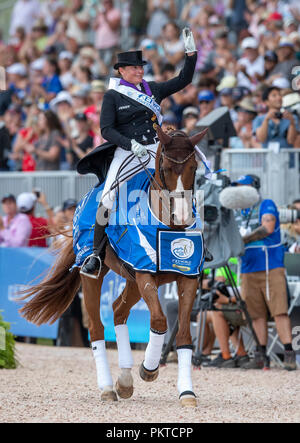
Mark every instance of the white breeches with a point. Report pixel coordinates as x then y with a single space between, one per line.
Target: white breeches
108 196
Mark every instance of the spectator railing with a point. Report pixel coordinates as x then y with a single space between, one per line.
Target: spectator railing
278 171
58 186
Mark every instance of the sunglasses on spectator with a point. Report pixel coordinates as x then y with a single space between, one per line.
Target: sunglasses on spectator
204 101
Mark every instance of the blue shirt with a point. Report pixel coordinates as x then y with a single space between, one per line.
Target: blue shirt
52 84
267 252
276 132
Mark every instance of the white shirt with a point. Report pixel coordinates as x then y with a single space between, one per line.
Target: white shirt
25 13
252 68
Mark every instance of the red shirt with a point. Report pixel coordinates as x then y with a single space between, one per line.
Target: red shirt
39 229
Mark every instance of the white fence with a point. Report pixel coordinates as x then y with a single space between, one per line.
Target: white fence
57 185
278 172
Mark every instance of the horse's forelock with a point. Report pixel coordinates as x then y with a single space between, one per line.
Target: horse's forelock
180 141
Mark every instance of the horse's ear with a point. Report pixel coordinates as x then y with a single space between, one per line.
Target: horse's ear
164 138
197 137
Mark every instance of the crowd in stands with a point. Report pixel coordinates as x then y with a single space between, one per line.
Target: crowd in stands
59 57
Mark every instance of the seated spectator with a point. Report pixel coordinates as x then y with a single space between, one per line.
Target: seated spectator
26 203
82 144
275 127
15 228
66 78
271 60
51 84
286 59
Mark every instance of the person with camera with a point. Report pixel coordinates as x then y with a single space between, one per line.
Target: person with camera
275 126
226 319
264 286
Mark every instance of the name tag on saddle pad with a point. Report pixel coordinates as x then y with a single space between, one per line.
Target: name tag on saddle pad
180 251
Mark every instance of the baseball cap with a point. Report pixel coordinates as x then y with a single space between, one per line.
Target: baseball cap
8 197
290 21
271 55
70 203
191 110
38 64
239 92
249 42
207 67
281 83
206 95
244 180
274 16
226 91
147 43
26 201
65 55
98 86
285 42
18 69
62 96
229 81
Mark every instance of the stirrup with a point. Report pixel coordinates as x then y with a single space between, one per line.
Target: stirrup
94 276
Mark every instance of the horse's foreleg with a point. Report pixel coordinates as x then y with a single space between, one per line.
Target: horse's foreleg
92 292
158 326
121 307
186 295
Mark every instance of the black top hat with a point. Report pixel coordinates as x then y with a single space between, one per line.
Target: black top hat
131 58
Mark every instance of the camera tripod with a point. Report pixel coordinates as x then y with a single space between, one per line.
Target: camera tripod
202 308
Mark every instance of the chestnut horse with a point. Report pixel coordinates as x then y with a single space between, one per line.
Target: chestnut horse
175 170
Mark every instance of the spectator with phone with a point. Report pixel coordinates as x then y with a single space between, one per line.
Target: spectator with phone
275 126
15 228
82 143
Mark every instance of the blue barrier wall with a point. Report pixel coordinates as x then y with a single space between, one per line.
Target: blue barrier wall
21 266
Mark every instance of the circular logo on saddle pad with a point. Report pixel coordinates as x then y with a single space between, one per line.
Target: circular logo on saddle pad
182 248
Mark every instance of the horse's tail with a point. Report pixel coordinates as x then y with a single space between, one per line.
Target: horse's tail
55 293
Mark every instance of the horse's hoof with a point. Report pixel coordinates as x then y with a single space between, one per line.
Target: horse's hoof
188 400
148 375
109 396
124 391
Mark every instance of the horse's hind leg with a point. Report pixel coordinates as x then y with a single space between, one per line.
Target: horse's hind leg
92 292
121 307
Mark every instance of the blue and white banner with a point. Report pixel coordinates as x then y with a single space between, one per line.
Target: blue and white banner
21 267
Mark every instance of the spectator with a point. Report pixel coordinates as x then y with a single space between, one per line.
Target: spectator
271 60
77 21
82 144
66 77
26 203
251 66
51 84
246 113
190 118
107 31
5 144
47 150
172 44
286 59
15 228
24 13
263 280
206 102
275 127
159 12
227 99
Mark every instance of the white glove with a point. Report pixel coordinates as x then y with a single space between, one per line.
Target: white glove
188 39
138 149
244 231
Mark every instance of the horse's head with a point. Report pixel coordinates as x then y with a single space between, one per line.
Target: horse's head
176 167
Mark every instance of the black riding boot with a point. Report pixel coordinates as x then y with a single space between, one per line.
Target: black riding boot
92 264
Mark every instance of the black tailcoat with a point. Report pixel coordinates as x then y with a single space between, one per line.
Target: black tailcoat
123 119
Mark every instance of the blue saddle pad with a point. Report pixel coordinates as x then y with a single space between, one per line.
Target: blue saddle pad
136 235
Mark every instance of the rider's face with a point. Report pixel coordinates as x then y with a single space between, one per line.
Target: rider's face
132 74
